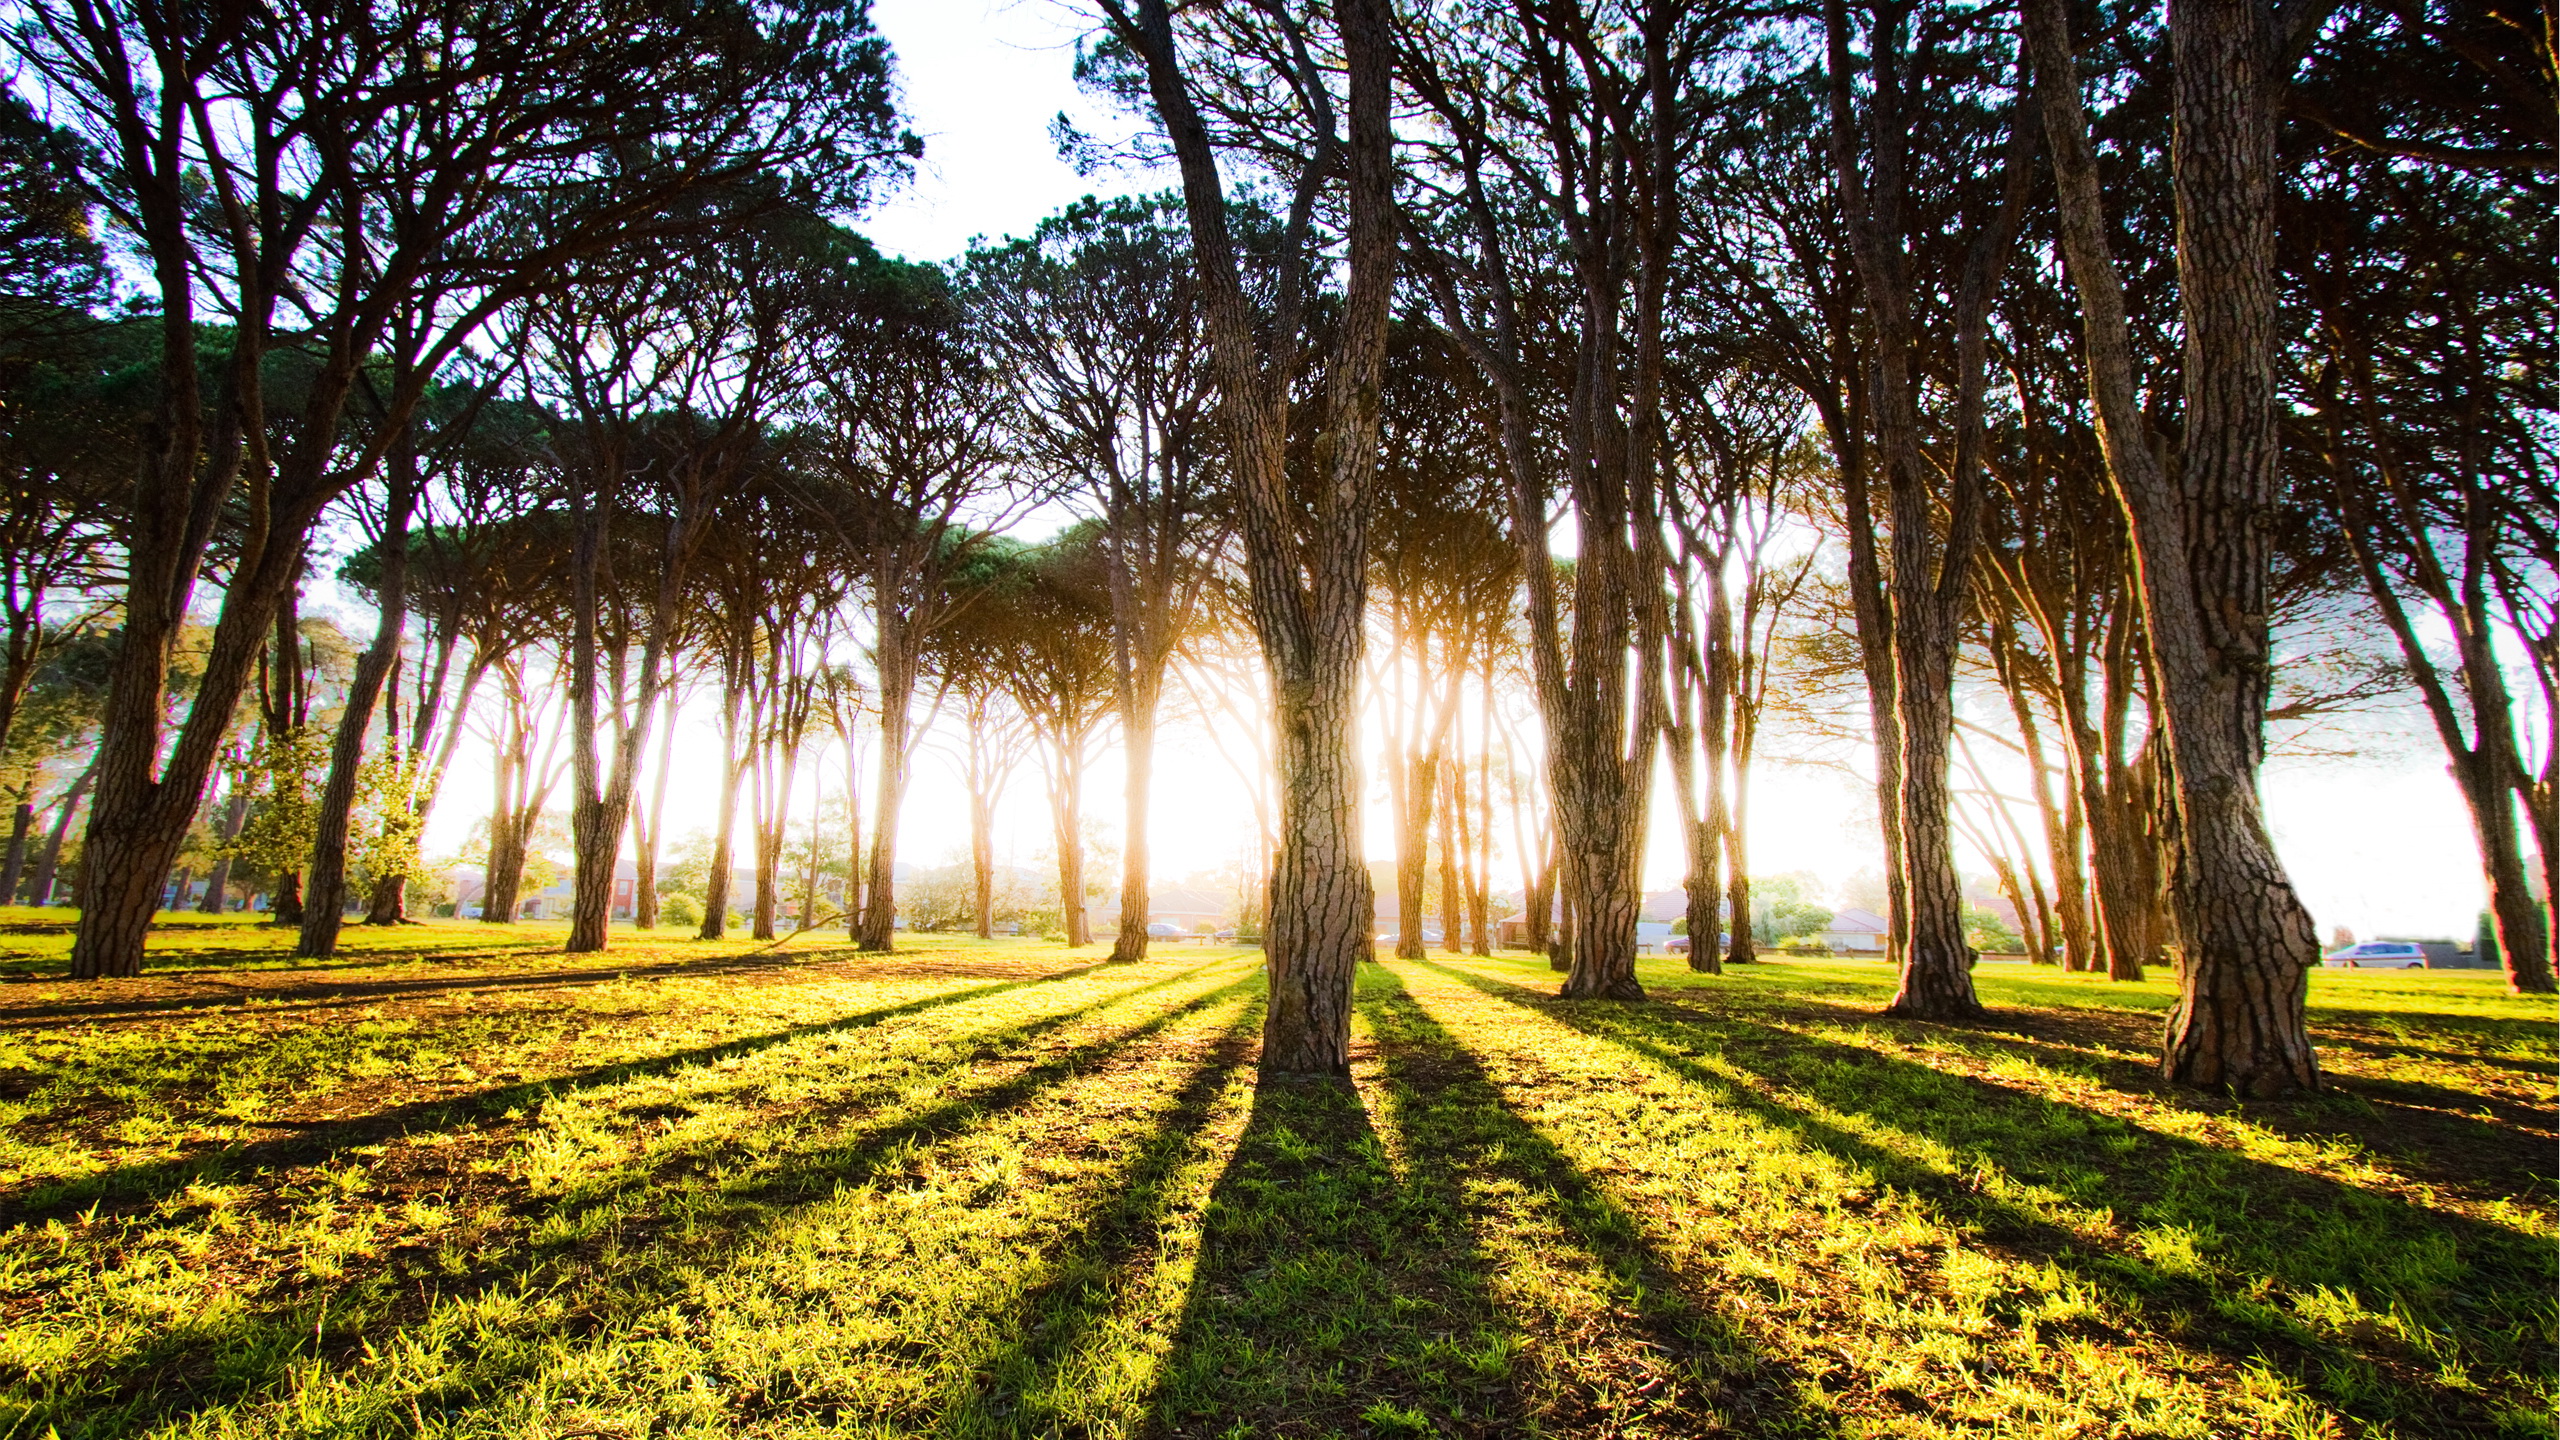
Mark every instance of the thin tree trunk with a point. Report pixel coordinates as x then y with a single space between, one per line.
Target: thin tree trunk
724 835
22 818
653 819
1138 731
40 892
878 930
328 900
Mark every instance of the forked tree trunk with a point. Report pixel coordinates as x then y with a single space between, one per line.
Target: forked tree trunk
2246 943
1307 581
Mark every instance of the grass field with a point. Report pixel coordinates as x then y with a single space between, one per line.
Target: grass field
455 1185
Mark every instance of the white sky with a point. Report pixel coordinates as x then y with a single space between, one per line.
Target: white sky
2378 845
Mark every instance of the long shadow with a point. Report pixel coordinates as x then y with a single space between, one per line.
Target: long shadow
184 1370
325 994
2383 1112
2428 1265
1018 1388
156 1180
1333 1294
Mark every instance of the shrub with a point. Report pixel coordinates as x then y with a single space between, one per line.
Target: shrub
680 909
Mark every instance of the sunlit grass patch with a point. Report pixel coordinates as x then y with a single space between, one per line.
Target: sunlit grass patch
474 1188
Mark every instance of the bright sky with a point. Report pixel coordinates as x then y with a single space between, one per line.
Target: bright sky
2380 845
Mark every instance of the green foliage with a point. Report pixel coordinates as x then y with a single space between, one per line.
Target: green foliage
280 771
1984 930
680 908
2484 943
387 827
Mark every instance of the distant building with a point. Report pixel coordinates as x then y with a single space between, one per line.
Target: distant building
1857 932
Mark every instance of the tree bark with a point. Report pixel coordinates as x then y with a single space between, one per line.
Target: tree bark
1307 581
724 834
2246 944
40 890
878 930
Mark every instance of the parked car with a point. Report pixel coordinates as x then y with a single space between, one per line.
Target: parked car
1166 930
2377 955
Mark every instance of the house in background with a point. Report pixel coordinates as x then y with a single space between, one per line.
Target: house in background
1855 932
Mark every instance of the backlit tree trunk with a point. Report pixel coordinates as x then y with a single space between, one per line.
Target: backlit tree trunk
1307 573
1138 736
2246 944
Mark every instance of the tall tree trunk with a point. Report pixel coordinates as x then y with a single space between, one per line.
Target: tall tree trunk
1418 788
1307 581
2246 943
1066 818
328 898
235 814
1453 801
652 819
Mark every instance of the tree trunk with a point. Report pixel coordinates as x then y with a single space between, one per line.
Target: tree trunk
1322 904
389 902
21 820
724 834
289 907
1418 787
1453 801
1307 581
2246 944
235 814
40 891
653 819
878 931
328 903
1138 731
1066 818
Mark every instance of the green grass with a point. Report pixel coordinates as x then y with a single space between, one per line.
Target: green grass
455 1185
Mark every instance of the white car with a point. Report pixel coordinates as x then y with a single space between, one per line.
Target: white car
2377 955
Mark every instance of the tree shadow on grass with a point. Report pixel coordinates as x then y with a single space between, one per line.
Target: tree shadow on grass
142 1185
332 994
2260 1234
245 1354
1344 1284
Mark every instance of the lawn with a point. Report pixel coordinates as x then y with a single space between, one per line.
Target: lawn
455 1185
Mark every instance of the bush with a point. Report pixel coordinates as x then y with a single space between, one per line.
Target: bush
1803 945
680 909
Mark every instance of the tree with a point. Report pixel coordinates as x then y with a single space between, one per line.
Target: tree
1305 533
901 432
1098 319
357 170
2201 550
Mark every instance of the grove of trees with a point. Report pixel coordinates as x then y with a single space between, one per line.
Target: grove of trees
1531 411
